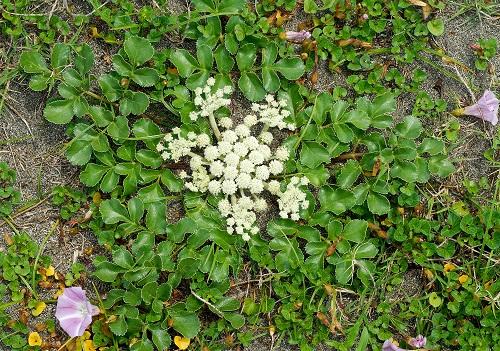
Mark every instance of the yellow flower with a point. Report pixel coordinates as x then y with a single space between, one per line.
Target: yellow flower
463 279
50 271
448 267
39 308
88 345
34 339
181 342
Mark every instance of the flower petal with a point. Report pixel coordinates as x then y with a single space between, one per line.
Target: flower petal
486 108
74 312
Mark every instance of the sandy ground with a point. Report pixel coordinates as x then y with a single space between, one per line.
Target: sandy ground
34 146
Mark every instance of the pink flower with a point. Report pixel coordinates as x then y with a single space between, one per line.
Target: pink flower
297 37
486 108
74 311
389 346
419 341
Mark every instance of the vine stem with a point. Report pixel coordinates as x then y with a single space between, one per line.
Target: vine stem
42 247
219 312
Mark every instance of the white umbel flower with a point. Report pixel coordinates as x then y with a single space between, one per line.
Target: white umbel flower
226 122
282 153
275 167
266 137
250 120
293 199
235 165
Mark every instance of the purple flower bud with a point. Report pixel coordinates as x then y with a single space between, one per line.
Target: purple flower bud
74 311
419 341
297 37
365 16
486 108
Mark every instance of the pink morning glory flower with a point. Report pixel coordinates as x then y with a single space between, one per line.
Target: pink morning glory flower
74 311
486 108
418 341
297 37
389 346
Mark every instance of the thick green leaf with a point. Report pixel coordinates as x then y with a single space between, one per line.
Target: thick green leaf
134 102
251 86
79 152
204 5
231 6
344 271
107 271
139 50
148 132
236 319
245 58
119 326
186 323
101 116
84 59
441 165
322 104
60 55
156 218
59 111
92 174
436 26
410 128
121 65
432 146
161 338
135 209
310 6
349 174
109 181
145 77
404 170
113 211
33 62
336 200
355 230
184 62
205 56
291 68
313 154
378 203
119 128
270 80
110 86
39 82
223 59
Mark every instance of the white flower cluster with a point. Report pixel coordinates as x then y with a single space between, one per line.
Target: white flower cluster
292 199
239 166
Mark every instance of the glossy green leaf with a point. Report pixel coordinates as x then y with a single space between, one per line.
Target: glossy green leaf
349 174
251 86
410 128
313 154
33 62
139 50
184 62
113 211
145 77
335 200
245 58
355 230
59 111
378 203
